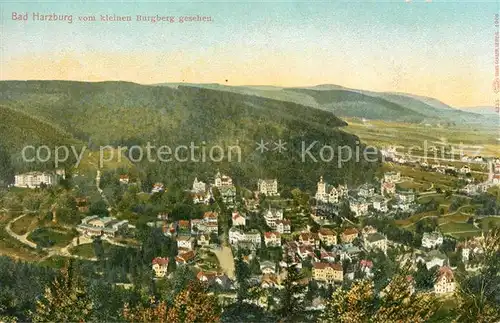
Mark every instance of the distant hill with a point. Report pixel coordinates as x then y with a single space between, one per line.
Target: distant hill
121 113
483 110
347 102
18 129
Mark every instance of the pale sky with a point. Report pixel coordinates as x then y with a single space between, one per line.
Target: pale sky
441 49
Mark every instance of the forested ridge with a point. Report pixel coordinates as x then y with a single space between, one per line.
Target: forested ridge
127 114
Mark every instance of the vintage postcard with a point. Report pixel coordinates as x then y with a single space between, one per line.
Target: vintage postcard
249 161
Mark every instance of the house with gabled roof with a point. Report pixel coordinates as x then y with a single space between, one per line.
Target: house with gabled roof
160 266
267 267
376 241
432 258
445 281
309 239
327 236
185 258
348 235
238 219
272 239
284 226
327 272
268 187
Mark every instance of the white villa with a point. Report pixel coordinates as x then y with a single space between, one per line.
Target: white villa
432 259
238 219
236 236
268 187
431 240
406 197
185 242
366 190
272 216
222 180
359 207
160 266
96 226
198 186
392 177
35 179
284 226
328 194
376 241
272 239
379 203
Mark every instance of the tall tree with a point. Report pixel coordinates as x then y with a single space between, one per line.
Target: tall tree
65 300
397 303
243 273
479 295
194 305
191 305
291 305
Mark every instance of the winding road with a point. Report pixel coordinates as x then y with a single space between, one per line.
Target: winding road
21 238
54 251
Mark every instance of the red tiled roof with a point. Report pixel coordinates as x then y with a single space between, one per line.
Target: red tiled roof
308 235
185 256
446 272
389 184
206 274
183 223
350 231
327 232
160 261
270 234
366 263
210 215
323 265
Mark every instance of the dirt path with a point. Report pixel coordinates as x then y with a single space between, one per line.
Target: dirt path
226 260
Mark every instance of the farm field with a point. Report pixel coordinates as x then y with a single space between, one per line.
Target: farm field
383 134
421 178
